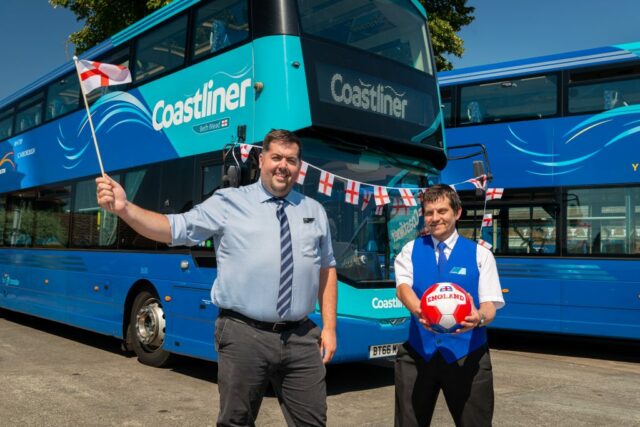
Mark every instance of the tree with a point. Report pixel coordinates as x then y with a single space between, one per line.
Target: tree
103 18
446 18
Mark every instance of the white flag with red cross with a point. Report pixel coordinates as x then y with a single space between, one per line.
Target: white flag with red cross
407 197
480 182
303 172
487 220
381 196
494 193
366 198
485 244
245 149
97 74
398 207
352 192
326 183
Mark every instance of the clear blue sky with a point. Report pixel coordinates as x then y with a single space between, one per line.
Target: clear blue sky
34 35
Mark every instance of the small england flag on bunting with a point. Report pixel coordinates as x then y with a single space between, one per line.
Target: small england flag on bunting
326 183
487 220
407 197
245 149
303 172
485 244
494 193
380 195
352 192
398 207
480 182
366 198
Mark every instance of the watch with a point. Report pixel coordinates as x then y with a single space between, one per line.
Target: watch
481 322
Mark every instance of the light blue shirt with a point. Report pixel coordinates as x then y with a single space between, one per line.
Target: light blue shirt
246 234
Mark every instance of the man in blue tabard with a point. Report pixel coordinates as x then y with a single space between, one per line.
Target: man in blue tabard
459 363
275 261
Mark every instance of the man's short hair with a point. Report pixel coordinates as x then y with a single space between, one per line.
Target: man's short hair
439 192
283 135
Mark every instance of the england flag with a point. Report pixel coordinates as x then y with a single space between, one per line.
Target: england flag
97 74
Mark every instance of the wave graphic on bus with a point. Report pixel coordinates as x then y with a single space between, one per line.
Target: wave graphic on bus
111 111
582 142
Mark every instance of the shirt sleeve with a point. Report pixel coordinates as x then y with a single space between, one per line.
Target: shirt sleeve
200 223
489 288
326 248
403 267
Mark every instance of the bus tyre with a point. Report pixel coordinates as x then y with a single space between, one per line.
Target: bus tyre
147 330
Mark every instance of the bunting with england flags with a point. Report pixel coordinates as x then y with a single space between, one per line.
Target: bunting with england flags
398 207
380 195
480 182
494 193
325 186
407 197
366 198
485 244
245 149
352 192
303 172
487 220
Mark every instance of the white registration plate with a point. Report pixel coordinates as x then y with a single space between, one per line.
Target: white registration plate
384 350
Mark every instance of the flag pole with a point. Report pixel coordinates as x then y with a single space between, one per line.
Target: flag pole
86 105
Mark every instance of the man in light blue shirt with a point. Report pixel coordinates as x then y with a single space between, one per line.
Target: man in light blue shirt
275 261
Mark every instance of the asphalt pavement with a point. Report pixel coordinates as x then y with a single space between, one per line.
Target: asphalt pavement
55 375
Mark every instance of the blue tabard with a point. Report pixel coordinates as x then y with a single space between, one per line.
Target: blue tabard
461 269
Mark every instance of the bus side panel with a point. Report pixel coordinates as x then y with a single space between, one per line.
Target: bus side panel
284 101
586 297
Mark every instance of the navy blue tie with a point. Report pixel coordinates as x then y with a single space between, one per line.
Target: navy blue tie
286 261
442 258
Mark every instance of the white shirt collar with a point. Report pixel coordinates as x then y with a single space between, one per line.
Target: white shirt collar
450 242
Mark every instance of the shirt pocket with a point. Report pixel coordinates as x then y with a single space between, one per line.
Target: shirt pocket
310 240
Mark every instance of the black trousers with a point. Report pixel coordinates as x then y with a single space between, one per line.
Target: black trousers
467 386
250 358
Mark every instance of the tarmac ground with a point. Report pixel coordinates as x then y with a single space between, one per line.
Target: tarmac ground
55 375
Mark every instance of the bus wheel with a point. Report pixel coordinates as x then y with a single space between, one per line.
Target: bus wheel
146 330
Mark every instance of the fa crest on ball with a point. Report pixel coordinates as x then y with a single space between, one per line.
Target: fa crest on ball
445 305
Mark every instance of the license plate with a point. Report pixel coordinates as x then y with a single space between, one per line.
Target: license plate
384 350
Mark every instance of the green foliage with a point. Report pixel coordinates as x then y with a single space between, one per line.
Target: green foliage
103 18
446 18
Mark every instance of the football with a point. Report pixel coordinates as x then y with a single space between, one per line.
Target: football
445 305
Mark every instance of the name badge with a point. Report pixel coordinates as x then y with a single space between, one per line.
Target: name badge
459 270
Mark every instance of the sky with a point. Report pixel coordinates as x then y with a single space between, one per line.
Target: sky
34 35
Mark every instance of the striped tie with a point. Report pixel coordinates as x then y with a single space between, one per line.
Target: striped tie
286 261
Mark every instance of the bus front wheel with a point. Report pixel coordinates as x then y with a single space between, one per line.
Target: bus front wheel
147 330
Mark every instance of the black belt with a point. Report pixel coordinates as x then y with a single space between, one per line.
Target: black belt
264 326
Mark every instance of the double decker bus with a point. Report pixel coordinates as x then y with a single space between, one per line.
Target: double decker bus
354 79
563 136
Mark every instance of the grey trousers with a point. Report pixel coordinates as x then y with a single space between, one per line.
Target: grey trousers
249 359
467 386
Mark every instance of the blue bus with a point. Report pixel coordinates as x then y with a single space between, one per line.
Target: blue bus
563 137
354 79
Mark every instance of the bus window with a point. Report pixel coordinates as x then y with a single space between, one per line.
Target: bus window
18 228
62 96
29 113
516 99
92 226
142 189
532 230
6 124
161 50
603 221
447 106
599 96
360 25
53 214
470 223
219 25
